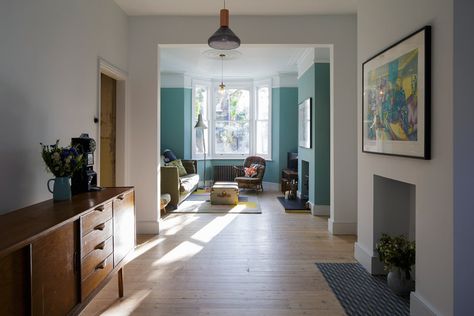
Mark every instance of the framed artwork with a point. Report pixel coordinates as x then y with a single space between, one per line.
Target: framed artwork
304 123
396 98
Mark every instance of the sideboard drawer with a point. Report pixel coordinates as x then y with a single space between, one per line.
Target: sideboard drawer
97 216
99 234
96 256
100 272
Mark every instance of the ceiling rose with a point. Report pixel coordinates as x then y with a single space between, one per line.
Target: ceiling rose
216 54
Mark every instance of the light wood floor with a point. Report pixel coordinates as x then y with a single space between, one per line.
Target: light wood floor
241 265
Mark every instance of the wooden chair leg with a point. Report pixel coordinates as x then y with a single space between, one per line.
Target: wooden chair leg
120 282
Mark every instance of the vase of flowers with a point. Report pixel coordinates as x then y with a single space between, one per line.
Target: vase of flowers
62 162
398 257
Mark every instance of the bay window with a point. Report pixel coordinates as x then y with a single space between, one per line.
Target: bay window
238 120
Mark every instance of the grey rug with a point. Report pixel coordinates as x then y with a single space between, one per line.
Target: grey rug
360 293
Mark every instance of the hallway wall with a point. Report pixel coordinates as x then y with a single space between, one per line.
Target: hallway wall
380 24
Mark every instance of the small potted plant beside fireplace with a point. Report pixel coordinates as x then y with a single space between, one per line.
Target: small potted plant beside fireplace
398 256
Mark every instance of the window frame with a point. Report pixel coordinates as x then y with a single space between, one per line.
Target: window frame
212 90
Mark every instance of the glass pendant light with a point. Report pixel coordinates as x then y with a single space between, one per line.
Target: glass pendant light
224 38
222 85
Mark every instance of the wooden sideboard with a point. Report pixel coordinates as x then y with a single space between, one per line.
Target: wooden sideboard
56 256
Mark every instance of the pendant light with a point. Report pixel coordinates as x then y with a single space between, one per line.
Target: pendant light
222 85
224 38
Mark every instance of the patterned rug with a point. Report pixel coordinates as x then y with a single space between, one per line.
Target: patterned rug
360 293
199 202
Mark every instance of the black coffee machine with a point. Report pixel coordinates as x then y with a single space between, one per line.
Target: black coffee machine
85 179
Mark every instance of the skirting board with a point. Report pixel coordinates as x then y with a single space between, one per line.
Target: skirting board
371 263
420 307
338 228
319 210
148 227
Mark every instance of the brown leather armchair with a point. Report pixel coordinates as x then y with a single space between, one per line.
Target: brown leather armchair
250 182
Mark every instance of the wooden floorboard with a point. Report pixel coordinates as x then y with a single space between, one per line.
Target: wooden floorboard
225 265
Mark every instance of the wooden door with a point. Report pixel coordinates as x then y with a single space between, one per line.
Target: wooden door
108 117
55 275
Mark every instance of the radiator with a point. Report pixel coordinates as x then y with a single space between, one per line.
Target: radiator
224 173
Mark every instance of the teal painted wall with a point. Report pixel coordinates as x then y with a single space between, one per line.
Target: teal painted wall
177 126
176 121
314 84
284 130
288 124
322 134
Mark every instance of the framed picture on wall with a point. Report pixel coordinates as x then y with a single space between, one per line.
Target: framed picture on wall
396 98
304 123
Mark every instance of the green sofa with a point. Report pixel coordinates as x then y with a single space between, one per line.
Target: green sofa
179 187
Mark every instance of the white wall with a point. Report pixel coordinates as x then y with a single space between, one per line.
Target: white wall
48 83
381 23
147 32
463 156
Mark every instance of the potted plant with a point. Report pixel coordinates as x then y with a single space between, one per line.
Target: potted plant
398 256
62 162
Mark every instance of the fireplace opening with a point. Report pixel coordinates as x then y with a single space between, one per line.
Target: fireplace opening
304 180
394 209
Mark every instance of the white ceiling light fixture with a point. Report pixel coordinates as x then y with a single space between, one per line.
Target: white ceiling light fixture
224 38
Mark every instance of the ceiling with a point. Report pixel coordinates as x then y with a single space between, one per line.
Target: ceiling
237 7
248 62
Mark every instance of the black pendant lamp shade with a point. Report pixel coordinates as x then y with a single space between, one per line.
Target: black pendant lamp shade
224 38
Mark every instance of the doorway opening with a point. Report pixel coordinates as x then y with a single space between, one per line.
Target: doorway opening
108 130
112 120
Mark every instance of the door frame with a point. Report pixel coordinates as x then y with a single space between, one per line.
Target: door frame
122 121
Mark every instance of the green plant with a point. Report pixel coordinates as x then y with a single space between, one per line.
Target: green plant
398 252
61 161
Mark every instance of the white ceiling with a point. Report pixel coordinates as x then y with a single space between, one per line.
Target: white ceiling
251 62
237 7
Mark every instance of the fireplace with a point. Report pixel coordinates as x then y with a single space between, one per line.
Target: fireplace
304 180
394 209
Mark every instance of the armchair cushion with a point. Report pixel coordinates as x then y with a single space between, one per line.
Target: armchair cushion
250 171
178 164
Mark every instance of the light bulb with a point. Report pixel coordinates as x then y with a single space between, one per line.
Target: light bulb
222 88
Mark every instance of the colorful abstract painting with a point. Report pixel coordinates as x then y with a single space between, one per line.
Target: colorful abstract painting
392 99
395 99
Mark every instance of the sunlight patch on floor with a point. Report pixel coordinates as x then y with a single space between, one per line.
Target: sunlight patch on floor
183 251
128 305
211 230
177 227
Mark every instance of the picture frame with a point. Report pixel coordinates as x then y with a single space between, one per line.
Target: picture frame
305 123
396 98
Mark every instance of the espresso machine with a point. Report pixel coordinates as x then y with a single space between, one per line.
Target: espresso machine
84 179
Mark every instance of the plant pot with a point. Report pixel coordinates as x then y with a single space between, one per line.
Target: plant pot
61 189
398 283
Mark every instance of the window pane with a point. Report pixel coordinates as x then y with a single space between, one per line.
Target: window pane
233 105
200 107
263 103
200 100
262 137
232 137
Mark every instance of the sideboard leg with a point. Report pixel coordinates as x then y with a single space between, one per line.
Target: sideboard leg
120 282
